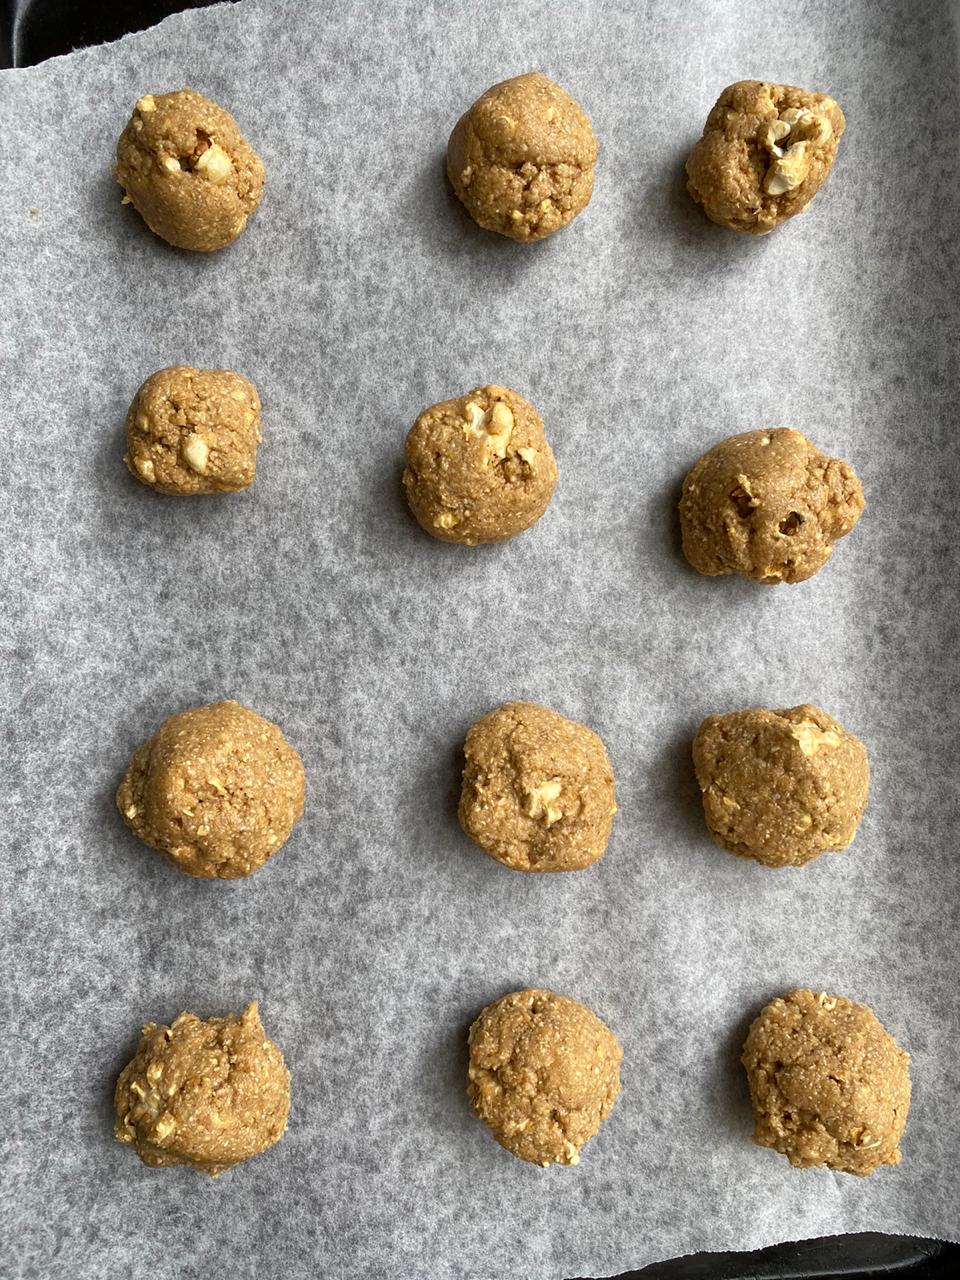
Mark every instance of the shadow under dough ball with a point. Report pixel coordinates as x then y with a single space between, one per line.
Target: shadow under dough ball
538 791
767 505
188 170
521 158
193 431
544 1073
829 1084
217 790
781 787
766 151
479 468
207 1094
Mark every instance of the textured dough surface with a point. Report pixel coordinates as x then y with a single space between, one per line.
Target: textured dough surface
544 1073
767 505
521 158
217 789
829 1084
207 1094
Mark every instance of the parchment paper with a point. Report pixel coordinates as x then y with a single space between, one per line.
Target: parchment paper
360 293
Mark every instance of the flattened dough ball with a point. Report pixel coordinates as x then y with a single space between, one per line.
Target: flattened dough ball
538 791
544 1073
767 505
829 1084
781 787
766 151
217 789
207 1094
188 170
479 468
192 431
521 159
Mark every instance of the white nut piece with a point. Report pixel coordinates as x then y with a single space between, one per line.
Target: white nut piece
195 452
146 469
215 164
529 456
163 1128
541 801
787 171
494 427
446 520
146 104
810 737
172 164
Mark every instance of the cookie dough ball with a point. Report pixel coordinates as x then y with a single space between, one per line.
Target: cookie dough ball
194 431
767 505
204 1094
544 1073
479 468
766 151
829 1084
188 170
538 791
521 159
781 787
217 789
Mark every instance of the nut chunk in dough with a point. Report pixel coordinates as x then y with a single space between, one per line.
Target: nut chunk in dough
767 505
829 1084
781 787
544 1073
217 789
538 791
204 1094
766 151
193 431
479 468
521 159
188 170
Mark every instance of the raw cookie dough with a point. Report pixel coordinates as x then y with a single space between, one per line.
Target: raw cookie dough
204 1094
188 170
479 468
781 787
829 1084
767 505
194 431
766 151
521 159
544 1073
217 789
538 791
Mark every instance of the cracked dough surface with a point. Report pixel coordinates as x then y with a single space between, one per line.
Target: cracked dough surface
766 151
829 1084
544 1073
188 170
767 505
207 1094
521 158
781 787
217 789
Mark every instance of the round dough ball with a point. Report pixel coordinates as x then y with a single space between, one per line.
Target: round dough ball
767 505
194 431
781 787
217 789
521 159
479 468
829 1084
538 791
204 1094
766 151
544 1073
188 170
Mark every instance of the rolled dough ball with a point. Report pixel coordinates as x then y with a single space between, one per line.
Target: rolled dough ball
781 787
766 151
544 1073
479 468
204 1094
767 505
194 431
217 789
538 791
188 170
521 159
829 1084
